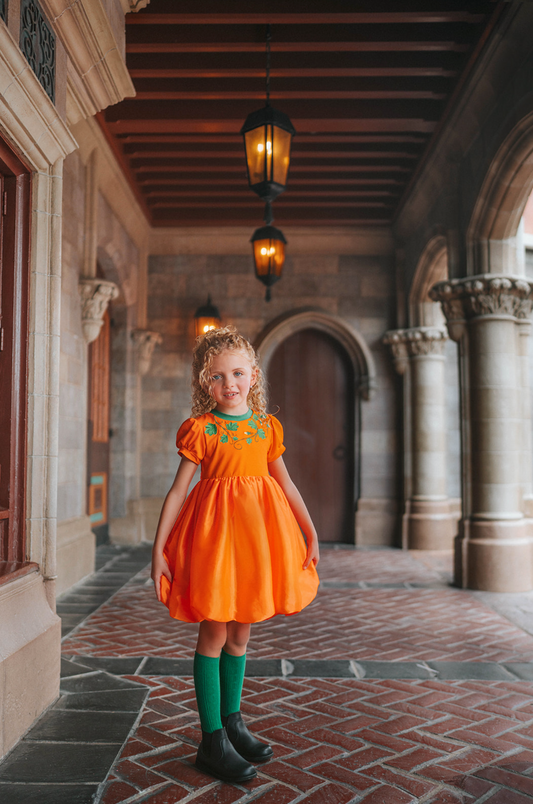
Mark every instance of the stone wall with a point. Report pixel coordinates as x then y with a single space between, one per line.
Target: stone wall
73 366
358 288
118 259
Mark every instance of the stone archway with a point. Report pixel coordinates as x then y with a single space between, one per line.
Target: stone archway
313 318
432 268
490 237
423 356
283 331
488 313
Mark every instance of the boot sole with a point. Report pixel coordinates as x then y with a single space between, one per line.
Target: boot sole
257 760
222 776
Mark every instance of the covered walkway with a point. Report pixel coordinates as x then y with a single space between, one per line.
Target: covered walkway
392 686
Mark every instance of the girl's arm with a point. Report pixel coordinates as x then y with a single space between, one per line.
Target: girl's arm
279 472
171 508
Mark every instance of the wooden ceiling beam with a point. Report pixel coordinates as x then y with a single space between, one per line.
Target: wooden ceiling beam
231 194
295 72
302 139
230 182
138 155
295 47
209 220
302 125
297 96
295 154
350 18
185 204
363 168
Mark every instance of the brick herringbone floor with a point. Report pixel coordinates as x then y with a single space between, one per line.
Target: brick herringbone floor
343 740
383 624
336 740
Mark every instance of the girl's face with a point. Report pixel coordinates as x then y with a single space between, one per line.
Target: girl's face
232 376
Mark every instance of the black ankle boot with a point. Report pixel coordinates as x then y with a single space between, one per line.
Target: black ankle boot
245 743
217 756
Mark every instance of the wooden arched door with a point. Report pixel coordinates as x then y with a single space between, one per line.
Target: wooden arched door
312 382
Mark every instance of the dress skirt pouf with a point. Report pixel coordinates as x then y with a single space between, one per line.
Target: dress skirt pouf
235 551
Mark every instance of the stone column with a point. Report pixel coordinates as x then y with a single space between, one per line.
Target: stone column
419 355
485 314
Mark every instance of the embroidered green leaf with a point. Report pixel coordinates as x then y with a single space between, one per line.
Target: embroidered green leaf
248 440
211 428
261 433
224 438
252 424
235 438
232 426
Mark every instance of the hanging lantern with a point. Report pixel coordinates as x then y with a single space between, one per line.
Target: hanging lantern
206 317
267 137
269 255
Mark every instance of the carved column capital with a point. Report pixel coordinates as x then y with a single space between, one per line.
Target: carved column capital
474 296
414 342
95 296
145 341
137 5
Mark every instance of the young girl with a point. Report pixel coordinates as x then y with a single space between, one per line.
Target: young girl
231 553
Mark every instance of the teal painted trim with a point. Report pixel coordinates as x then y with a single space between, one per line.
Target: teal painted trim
96 517
229 418
97 480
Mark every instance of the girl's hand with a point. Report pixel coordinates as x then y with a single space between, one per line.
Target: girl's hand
159 568
313 554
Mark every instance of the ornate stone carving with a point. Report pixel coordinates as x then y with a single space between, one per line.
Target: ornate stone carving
95 296
38 43
137 5
406 343
463 299
145 341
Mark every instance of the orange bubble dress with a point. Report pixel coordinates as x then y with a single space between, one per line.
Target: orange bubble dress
235 550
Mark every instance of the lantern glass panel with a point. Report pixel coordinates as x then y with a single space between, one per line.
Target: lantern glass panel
259 153
282 155
205 323
269 256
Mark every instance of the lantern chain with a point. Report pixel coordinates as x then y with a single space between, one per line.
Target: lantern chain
268 38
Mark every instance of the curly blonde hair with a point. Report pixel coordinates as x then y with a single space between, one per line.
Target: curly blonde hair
212 343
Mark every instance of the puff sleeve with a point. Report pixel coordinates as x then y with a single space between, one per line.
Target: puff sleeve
190 441
276 447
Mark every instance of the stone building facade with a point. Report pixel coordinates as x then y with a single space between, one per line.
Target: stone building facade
433 314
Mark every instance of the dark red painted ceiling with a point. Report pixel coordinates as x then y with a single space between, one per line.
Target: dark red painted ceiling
365 84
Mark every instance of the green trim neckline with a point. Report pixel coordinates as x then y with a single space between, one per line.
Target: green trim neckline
230 418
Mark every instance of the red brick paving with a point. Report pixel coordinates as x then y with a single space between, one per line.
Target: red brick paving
336 740
401 760
387 625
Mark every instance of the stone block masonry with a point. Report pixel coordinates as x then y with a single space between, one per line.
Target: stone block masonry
357 288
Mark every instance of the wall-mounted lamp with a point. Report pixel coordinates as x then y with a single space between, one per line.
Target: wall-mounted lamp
269 255
206 317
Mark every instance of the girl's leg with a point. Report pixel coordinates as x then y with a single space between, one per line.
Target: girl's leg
232 665
216 754
211 638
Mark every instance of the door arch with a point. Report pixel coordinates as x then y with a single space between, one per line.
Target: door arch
357 360
312 388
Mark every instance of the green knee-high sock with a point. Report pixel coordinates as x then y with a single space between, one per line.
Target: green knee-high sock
207 687
231 680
